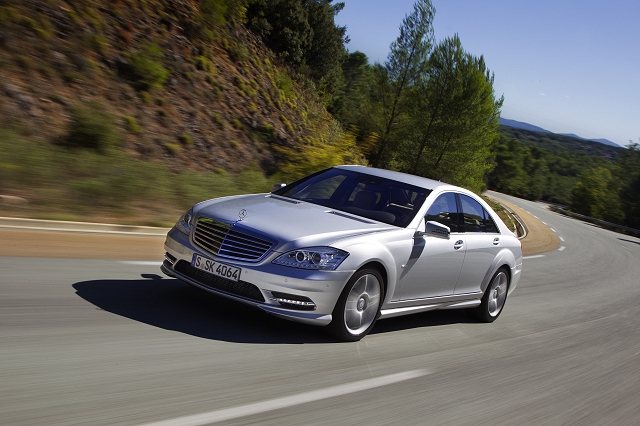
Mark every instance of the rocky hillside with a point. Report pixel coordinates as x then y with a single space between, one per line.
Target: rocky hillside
178 86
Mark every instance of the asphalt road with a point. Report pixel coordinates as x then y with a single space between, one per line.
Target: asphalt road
105 342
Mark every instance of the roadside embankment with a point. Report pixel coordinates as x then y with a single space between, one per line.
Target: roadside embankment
539 239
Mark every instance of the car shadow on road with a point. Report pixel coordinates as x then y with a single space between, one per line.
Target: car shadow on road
173 305
421 320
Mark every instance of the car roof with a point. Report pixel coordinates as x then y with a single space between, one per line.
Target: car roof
399 176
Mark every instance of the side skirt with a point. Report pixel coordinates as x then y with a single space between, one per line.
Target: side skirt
430 305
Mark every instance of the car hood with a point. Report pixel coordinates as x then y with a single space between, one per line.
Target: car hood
290 223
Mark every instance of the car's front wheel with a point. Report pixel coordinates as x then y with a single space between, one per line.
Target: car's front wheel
358 307
494 297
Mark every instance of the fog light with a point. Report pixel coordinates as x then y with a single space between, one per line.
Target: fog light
293 301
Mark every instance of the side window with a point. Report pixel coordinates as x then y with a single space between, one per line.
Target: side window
445 211
489 223
473 215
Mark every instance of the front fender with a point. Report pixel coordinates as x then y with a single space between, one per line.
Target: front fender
362 253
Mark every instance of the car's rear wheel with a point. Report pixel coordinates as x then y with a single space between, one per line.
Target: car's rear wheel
494 297
358 307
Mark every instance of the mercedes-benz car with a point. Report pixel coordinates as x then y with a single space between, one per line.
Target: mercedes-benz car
348 245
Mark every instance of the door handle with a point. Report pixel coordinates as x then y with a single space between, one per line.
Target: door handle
496 241
458 245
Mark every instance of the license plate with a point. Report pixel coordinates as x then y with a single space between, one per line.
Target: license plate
216 268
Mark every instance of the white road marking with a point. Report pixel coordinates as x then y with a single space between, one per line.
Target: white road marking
561 248
141 262
288 401
562 239
544 223
535 216
553 229
533 257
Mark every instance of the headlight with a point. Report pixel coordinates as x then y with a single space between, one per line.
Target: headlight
184 223
313 258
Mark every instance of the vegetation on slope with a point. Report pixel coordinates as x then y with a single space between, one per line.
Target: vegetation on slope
141 107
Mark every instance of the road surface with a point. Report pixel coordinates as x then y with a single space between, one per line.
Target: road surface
108 342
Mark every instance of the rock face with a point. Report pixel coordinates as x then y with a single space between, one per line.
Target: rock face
144 63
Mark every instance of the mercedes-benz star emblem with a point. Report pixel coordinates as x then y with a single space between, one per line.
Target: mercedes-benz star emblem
241 215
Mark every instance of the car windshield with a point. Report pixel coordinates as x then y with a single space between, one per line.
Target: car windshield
384 200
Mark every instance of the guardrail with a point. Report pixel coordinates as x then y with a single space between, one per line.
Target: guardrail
521 227
607 225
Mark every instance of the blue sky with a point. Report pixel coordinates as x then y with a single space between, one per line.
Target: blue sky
568 66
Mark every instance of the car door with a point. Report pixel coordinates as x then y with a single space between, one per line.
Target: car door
434 264
482 245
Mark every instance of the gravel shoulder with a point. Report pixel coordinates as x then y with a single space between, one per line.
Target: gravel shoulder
57 244
539 239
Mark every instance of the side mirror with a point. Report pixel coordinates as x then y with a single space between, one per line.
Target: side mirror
277 186
435 229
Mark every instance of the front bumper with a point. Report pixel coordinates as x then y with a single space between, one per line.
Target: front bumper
323 288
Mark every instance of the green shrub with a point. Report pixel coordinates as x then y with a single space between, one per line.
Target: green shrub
204 64
186 139
284 83
287 124
35 26
9 14
146 98
132 125
213 14
238 52
211 79
100 43
216 118
172 148
147 67
91 127
266 133
237 124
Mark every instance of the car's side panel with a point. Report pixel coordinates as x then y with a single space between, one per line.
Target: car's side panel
391 249
482 249
433 267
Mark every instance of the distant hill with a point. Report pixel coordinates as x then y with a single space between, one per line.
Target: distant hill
604 141
553 142
521 125
526 126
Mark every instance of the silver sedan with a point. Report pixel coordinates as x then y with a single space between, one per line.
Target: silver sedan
348 245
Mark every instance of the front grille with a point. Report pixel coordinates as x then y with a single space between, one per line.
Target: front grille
237 288
224 240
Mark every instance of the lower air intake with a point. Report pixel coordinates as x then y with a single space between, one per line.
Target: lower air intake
236 288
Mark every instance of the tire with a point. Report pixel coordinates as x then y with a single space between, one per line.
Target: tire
494 298
358 307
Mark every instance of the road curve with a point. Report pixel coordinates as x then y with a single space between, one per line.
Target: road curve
107 342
